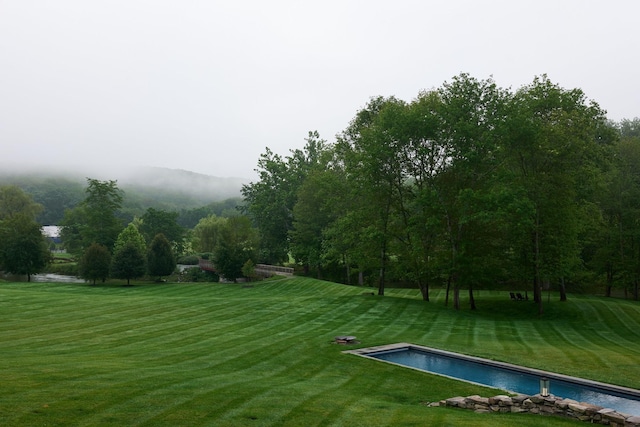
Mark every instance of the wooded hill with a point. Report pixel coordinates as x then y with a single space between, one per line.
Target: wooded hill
192 194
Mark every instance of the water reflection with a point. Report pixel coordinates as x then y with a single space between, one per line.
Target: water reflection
45 278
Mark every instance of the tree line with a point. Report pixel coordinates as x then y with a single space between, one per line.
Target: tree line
105 246
468 186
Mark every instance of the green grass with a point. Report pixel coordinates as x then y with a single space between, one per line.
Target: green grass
229 355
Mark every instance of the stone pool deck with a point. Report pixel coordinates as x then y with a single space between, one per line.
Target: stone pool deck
540 405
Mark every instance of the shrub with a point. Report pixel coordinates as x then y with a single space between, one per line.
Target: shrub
66 269
194 274
188 260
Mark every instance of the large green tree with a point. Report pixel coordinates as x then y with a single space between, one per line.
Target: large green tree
95 263
616 250
269 201
206 233
371 148
128 263
470 115
95 220
317 206
238 244
130 235
156 221
23 247
556 138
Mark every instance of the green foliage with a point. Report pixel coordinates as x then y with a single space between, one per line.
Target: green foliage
238 243
270 201
206 233
189 218
15 202
188 260
130 235
160 258
128 262
103 201
195 274
23 248
249 270
467 186
95 220
65 269
95 263
156 222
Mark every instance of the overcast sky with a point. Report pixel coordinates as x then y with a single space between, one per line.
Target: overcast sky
206 85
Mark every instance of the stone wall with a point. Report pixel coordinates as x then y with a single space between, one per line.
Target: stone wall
549 405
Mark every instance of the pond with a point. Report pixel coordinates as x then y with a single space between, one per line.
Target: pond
51 277
506 376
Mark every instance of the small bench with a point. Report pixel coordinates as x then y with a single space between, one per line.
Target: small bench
345 339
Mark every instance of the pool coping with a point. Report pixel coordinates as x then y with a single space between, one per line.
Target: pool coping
365 352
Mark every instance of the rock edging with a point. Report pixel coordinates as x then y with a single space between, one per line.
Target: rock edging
543 405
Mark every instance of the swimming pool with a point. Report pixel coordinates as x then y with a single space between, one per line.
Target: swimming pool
505 376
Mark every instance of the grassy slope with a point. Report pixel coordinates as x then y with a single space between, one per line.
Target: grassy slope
227 355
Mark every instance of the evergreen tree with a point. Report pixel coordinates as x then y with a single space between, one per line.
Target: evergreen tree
160 258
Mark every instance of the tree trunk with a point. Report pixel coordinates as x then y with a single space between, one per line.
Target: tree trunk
383 267
563 290
446 298
347 268
424 290
456 296
537 282
472 300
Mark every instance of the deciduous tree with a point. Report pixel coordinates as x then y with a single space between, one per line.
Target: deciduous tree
207 232
128 263
238 243
155 221
23 247
130 235
555 139
95 219
95 263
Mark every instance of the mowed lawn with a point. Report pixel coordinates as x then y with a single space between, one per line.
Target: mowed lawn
262 355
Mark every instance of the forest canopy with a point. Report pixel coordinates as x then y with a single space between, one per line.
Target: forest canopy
468 186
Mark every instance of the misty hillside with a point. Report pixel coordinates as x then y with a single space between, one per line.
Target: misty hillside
160 188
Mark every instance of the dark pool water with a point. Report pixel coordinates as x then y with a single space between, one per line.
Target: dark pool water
508 379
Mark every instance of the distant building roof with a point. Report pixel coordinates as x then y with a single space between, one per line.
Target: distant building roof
51 231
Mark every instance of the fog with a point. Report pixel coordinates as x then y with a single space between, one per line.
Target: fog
205 86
